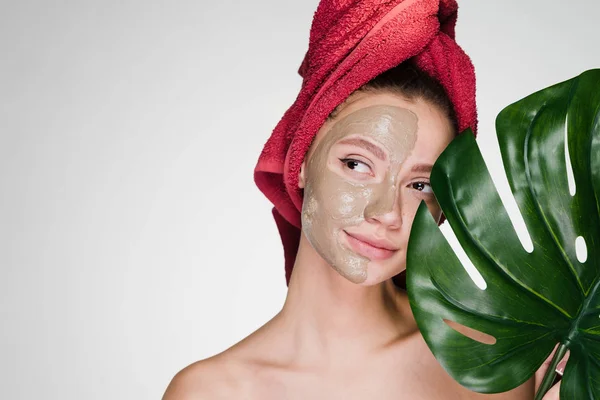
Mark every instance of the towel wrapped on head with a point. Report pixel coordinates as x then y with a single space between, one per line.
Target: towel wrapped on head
351 42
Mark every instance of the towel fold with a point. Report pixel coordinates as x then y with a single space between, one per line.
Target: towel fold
351 42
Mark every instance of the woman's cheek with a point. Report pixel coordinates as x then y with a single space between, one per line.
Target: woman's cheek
348 203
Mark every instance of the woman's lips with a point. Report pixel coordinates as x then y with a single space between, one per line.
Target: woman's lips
368 250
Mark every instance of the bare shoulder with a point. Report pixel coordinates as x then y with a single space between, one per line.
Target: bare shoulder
232 374
217 377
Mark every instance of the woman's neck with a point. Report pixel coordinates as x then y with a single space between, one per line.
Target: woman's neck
328 315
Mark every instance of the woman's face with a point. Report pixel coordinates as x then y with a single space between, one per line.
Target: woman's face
364 177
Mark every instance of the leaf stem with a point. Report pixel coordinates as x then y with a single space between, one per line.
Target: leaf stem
551 371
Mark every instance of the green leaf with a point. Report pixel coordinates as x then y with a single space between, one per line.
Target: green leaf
533 300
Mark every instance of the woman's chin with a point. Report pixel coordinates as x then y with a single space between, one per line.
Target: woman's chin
379 272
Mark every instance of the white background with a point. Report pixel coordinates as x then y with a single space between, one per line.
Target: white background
132 238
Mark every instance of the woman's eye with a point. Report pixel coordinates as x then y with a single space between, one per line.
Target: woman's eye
424 187
356 165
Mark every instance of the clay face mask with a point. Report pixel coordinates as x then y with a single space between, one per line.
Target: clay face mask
337 197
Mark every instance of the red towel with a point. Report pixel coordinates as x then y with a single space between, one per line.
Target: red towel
351 42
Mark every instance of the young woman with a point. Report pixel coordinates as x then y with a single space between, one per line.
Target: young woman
346 330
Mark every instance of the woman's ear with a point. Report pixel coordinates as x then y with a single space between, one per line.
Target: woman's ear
301 178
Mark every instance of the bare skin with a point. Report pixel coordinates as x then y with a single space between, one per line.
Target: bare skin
338 338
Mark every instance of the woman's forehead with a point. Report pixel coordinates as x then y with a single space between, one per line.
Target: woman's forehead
358 101
389 126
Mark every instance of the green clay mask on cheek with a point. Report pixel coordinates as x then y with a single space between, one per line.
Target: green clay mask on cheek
334 201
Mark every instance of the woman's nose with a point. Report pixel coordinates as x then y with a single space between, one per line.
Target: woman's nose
385 207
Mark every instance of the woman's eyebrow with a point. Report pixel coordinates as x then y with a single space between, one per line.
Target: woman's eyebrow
421 168
377 152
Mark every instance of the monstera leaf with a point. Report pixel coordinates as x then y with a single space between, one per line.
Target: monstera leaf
531 301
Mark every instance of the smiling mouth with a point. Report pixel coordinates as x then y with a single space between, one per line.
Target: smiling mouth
370 248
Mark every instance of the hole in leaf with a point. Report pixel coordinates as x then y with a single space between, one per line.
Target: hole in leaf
581 249
498 174
464 259
569 167
471 333
516 218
